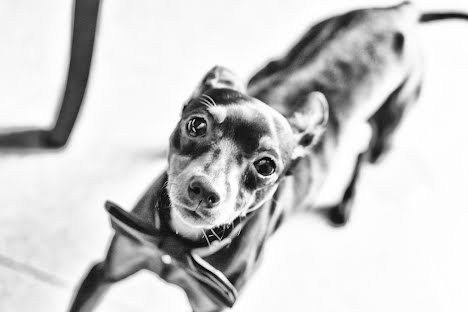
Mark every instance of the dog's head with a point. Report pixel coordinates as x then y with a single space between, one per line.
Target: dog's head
229 151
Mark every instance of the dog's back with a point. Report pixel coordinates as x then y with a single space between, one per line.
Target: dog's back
358 56
357 60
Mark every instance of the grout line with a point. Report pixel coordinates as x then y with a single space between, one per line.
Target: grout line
32 271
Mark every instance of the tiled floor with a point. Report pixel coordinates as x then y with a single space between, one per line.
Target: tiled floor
404 250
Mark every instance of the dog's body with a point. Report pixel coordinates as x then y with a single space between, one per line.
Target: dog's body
368 66
234 159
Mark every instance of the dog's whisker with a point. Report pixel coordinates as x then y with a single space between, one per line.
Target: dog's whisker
206 238
210 99
198 206
224 231
206 103
202 101
216 235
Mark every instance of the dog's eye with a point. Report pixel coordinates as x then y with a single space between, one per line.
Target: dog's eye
265 166
196 126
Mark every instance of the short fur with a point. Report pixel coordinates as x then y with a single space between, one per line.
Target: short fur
366 63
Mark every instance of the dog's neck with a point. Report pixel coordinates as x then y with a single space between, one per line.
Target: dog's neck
181 228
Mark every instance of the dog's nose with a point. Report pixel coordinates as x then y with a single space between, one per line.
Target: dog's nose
201 190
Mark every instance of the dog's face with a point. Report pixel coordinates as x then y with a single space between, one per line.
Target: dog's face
227 155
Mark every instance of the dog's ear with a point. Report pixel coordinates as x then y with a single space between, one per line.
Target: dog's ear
219 77
309 123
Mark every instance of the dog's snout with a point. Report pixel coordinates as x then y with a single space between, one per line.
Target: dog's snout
201 190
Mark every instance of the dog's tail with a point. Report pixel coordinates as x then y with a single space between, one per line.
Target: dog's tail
437 16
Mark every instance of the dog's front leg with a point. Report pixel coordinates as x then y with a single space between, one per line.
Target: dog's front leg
91 290
123 259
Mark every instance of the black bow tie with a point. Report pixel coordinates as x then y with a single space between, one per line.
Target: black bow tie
214 282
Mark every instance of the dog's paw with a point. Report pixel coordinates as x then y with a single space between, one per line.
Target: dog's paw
377 154
337 215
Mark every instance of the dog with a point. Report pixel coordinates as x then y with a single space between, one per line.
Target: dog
244 158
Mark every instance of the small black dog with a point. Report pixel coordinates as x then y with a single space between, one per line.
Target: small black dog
238 167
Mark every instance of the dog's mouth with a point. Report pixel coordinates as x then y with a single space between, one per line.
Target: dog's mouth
196 216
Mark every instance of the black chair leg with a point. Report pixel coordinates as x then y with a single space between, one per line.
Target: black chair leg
86 13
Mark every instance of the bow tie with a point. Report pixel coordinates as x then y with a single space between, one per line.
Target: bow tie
213 281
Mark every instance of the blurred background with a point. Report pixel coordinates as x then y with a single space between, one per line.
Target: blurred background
403 250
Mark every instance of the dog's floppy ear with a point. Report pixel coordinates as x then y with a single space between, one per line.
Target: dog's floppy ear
217 78
309 123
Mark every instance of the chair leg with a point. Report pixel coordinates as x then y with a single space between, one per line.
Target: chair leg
85 20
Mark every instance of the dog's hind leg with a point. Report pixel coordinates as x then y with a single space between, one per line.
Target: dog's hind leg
338 215
122 261
387 119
